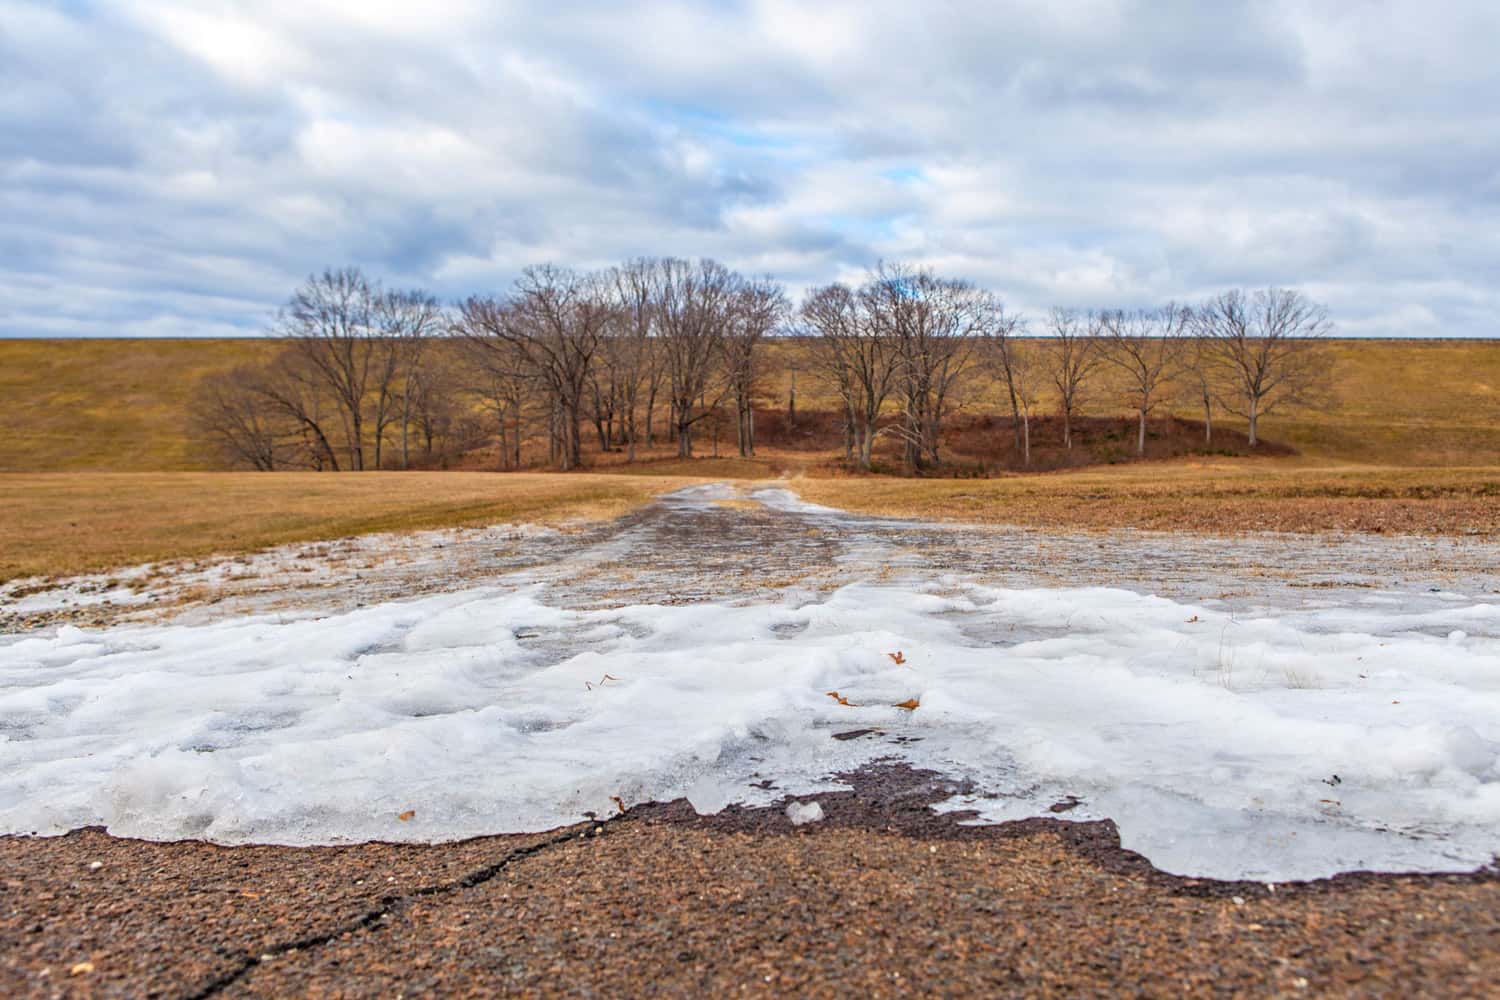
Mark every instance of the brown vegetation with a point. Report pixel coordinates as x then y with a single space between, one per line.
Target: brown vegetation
1218 496
67 523
903 354
865 392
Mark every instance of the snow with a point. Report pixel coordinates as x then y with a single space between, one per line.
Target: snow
291 573
1275 744
802 813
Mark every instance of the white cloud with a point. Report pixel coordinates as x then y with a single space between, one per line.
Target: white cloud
177 167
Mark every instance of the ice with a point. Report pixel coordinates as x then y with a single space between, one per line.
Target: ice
709 795
1273 744
786 500
802 813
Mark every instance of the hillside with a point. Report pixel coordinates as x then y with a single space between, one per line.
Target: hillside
107 404
72 405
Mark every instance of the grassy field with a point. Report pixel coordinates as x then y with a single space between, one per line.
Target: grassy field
98 464
1215 496
66 523
121 405
59 524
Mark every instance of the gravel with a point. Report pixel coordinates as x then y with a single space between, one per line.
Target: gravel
880 897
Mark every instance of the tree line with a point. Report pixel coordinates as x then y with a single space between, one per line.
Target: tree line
669 349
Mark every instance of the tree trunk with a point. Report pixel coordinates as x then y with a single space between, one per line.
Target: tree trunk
1026 437
741 431
575 439
1140 437
1208 419
356 442
1068 427
326 449
405 444
1254 419
1015 412
849 432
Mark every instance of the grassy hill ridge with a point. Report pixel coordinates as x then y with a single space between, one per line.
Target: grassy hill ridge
121 405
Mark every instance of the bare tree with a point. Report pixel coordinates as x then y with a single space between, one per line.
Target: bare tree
548 329
933 323
604 390
999 330
329 323
299 395
1148 346
633 348
853 355
402 320
1203 378
1070 357
1027 370
693 305
757 308
499 380
1266 345
243 426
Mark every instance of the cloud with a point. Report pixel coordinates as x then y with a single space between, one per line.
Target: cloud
176 168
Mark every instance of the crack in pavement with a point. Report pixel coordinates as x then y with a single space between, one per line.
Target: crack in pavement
390 905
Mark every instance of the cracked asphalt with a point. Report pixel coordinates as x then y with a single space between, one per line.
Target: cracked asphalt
881 898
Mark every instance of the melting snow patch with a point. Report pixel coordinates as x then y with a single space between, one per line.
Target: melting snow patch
786 500
801 813
1270 745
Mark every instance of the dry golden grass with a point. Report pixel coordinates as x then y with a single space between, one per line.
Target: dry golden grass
1221 496
1404 409
668 464
108 404
65 523
121 404
1405 403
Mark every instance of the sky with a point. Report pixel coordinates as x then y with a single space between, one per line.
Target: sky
177 167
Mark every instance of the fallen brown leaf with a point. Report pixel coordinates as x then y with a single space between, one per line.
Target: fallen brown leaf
841 699
897 658
909 704
407 815
619 802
